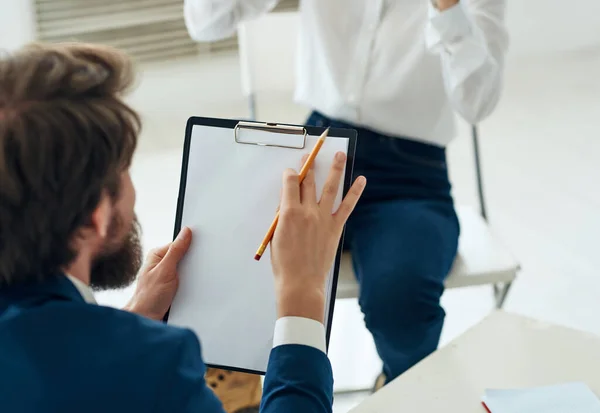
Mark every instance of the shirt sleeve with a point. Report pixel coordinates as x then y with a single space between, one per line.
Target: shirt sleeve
301 331
212 20
472 40
299 379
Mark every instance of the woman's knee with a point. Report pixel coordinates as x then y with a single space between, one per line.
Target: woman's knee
407 295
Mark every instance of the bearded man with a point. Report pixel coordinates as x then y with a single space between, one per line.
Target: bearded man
67 225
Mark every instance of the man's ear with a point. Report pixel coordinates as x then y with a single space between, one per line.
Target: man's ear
101 217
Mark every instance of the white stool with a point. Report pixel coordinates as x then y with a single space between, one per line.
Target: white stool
481 260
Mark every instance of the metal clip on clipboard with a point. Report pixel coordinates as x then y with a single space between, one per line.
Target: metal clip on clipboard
273 128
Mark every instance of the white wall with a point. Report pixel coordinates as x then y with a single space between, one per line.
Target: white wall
543 26
17 23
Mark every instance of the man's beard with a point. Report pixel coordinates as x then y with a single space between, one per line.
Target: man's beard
118 266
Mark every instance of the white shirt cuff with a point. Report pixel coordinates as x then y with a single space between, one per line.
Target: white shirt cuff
299 330
447 27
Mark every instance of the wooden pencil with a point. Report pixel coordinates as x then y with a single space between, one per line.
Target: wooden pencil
305 168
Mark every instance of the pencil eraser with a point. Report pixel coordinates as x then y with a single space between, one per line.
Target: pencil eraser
257 257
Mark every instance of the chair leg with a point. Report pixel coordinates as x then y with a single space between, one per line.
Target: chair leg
252 106
478 173
500 293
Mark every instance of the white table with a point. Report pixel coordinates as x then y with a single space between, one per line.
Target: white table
503 351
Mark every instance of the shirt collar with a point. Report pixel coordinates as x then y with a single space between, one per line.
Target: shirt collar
83 289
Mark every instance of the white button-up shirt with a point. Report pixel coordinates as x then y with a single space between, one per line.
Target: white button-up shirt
400 67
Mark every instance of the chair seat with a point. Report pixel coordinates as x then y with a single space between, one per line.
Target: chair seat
481 259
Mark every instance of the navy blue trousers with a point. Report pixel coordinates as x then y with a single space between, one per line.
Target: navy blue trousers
403 237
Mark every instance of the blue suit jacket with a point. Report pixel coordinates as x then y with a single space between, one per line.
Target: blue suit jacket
59 354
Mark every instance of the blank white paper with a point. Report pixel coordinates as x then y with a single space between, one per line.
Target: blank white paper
562 398
232 193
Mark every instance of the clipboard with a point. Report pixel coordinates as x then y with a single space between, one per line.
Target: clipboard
228 194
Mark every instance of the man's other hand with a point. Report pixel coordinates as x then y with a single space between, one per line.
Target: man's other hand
158 279
306 240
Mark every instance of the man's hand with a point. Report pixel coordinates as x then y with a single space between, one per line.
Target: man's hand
442 5
306 240
158 280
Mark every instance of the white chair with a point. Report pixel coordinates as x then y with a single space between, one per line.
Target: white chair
481 260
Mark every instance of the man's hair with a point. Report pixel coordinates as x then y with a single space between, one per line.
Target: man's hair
66 136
